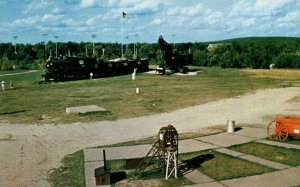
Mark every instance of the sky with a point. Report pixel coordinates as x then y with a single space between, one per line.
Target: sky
34 21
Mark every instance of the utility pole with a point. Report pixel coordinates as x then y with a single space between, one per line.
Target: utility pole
45 36
56 45
93 36
135 46
174 35
86 51
15 38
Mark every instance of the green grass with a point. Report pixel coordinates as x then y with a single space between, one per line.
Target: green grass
31 102
289 140
223 166
119 165
71 173
217 168
274 153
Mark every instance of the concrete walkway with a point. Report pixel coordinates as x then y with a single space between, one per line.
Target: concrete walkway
288 176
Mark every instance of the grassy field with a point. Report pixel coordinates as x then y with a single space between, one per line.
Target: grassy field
34 102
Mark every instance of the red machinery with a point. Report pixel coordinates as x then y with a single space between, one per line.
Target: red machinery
282 127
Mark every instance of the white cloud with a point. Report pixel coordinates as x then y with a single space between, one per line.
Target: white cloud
186 11
47 19
214 18
271 4
51 18
291 17
25 21
56 10
240 8
131 6
145 5
290 23
69 22
259 8
157 21
36 5
248 22
87 3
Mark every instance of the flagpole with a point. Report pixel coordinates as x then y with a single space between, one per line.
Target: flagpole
122 35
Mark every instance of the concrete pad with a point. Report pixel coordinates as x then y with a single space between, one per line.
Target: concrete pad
265 162
280 144
168 72
189 73
191 145
198 177
257 133
89 170
286 177
115 153
230 152
84 109
226 139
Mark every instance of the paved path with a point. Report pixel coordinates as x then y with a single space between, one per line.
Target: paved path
219 142
9 74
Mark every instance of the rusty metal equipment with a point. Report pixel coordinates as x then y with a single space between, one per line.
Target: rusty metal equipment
165 151
283 127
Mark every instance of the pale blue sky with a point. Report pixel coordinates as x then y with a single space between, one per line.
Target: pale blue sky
176 20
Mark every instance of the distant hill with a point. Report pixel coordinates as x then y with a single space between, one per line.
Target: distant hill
259 39
250 52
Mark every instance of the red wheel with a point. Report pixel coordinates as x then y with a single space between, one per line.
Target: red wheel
278 130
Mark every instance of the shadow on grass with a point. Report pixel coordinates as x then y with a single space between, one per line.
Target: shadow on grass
13 112
98 113
184 167
190 165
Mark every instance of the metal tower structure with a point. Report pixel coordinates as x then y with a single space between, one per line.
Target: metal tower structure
165 150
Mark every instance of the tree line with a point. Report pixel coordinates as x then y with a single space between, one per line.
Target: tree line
251 53
259 52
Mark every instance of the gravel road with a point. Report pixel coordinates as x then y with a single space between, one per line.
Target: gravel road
29 152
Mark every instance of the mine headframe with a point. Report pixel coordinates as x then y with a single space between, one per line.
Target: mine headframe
165 151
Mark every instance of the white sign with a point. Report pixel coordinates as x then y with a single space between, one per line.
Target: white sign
296 131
